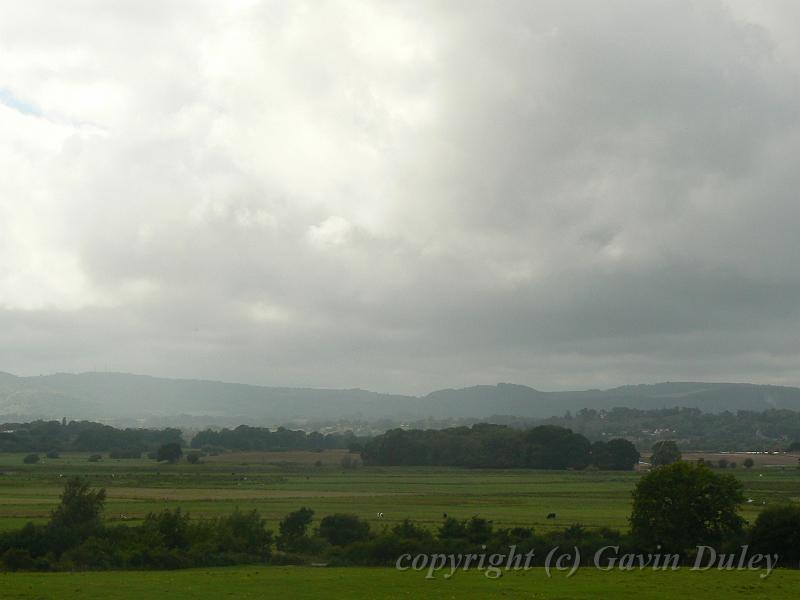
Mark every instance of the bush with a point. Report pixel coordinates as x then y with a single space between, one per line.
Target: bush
193 458
94 553
777 530
95 458
748 463
170 453
244 533
293 531
342 529
408 530
31 459
17 559
53 454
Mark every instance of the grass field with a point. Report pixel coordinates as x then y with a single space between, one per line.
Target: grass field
277 483
362 583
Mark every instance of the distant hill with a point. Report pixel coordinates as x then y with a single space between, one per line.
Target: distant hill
121 395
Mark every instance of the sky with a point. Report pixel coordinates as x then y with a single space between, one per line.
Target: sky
401 196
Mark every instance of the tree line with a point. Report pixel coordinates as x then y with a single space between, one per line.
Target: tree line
245 437
693 429
498 446
87 436
81 436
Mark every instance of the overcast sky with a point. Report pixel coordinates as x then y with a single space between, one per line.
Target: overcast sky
401 196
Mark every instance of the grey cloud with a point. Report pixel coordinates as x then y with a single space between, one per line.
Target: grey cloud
403 196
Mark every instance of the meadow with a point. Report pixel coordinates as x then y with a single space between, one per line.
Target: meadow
277 483
354 583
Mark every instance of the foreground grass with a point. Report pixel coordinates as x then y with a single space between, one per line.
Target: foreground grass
357 583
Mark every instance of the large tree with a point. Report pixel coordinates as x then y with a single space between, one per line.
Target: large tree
683 505
665 453
616 455
293 529
169 452
77 517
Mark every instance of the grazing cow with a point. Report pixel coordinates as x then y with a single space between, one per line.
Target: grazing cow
380 515
551 515
444 515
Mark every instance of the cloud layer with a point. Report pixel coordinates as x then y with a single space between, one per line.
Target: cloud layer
404 195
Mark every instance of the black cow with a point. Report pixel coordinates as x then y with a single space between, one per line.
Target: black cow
551 516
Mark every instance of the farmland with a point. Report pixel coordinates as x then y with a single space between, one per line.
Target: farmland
364 583
276 483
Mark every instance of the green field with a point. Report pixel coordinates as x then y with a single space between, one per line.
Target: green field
357 583
277 483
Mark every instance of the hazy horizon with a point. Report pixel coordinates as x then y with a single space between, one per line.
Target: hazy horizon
400 393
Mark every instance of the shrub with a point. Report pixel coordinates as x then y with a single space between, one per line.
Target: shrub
293 531
193 457
244 533
53 454
342 529
31 459
777 530
17 559
169 452
408 530
95 458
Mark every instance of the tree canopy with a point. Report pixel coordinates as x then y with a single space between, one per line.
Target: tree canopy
498 446
169 453
665 453
683 505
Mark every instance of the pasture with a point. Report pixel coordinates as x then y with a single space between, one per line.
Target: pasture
277 483
311 583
